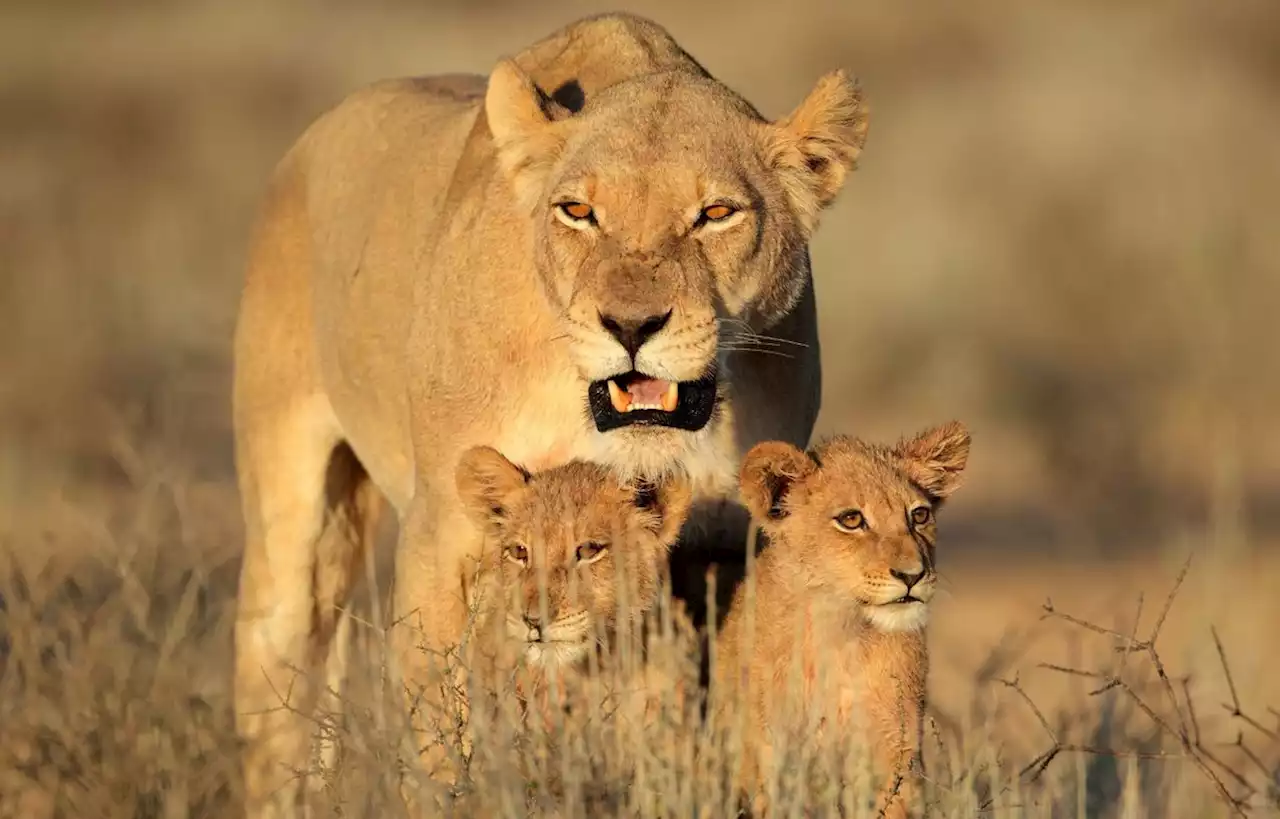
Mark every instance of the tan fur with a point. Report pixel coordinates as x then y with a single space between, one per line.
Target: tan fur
578 604
571 556
411 292
820 650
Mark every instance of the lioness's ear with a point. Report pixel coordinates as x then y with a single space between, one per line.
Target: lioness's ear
522 121
815 146
485 481
769 471
935 458
669 499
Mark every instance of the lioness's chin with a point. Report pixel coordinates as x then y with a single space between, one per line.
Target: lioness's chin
898 617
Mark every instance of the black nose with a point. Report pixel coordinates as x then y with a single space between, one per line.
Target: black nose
909 579
533 621
631 333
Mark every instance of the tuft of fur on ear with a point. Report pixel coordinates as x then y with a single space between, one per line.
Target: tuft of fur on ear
816 146
669 499
485 481
522 120
935 458
769 471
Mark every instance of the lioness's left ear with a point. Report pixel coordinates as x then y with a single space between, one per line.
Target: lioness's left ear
815 146
935 458
669 499
523 122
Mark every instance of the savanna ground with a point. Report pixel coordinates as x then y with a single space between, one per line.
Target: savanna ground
1062 233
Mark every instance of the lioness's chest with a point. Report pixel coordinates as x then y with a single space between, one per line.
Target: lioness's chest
545 424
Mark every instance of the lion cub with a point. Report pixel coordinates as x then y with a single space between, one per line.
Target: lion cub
841 598
573 558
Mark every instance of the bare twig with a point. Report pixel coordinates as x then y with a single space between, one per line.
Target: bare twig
1168 601
1234 707
1184 728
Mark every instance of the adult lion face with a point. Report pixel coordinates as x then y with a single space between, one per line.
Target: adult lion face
665 214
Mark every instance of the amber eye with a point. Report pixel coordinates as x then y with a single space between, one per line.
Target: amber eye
517 554
921 515
717 213
850 520
714 213
591 551
577 211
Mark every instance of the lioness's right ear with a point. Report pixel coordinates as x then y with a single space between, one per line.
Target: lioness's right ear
522 121
769 472
486 481
815 147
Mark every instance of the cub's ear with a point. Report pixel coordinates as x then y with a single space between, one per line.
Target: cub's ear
486 482
769 473
935 458
815 146
523 122
669 499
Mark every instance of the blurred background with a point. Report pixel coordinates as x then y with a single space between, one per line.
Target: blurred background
1063 232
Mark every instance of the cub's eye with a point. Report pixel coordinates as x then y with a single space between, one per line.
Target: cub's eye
591 552
921 515
517 554
850 520
715 213
577 212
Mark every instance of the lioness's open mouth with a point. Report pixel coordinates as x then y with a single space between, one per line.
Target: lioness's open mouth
634 399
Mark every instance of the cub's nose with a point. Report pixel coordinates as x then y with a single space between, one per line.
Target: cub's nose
632 332
908 579
534 623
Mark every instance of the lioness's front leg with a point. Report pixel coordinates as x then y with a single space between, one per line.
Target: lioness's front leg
435 547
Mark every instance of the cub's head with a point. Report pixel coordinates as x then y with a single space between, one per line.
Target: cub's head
856 521
574 554
661 208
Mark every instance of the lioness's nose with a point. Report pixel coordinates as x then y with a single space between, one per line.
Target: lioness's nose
632 332
909 579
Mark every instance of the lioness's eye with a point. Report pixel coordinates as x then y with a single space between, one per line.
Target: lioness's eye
591 551
850 520
714 213
921 515
717 213
517 554
577 211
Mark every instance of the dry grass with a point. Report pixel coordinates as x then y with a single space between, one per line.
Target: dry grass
115 675
1061 233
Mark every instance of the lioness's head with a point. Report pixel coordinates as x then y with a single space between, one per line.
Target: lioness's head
574 553
664 206
856 521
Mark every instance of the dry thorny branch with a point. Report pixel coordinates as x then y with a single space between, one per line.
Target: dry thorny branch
1184 729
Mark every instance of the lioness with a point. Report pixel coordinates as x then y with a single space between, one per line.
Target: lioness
599 252
832 646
